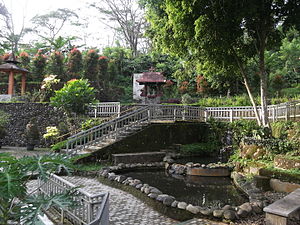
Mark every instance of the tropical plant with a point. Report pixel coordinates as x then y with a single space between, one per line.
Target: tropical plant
74 66
56 65
31 134
74 97
15 203
39 66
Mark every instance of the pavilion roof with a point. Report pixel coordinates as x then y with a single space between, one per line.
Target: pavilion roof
152 77
8 67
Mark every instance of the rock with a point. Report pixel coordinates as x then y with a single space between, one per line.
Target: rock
256 209
168 200
147 190
155 190
218 213
139 186
120 178
121 165
227 207
206 212
111 176
181 205
161 197
246 207
152 195
258 203
242 213
229 214
192 209
174 204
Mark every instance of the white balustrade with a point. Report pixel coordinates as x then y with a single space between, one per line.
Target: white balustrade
89 209
104 109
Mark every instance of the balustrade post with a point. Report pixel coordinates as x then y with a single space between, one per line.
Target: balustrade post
273 112
231 115
119 110
183 113
95 112
205 115
286 112
174 114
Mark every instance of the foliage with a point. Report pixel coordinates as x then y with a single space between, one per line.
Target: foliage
15 203
186 99
48 87
56 65
74 66
90 65
59 145
129 19
89 123
74 97
39 66
25 60
204 149
4 119
51 134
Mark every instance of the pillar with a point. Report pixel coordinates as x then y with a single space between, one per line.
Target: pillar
11 83
23 85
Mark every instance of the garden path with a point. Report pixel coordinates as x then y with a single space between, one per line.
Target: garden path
125 209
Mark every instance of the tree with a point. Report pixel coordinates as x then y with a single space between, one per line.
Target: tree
90 66
224 33
15 203
74 66
50 25
39 66
8 31
128 17
56 65
74 97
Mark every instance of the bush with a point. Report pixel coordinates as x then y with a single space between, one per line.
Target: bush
74 97
59 145
89 123
186 99
204 149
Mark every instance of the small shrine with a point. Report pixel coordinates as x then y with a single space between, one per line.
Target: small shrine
152 90
10 67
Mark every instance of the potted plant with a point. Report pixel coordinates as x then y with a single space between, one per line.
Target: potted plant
4 118
32 135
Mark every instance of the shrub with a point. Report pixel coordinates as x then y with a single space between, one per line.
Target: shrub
74 97
59 145
89 123
205 148
186 99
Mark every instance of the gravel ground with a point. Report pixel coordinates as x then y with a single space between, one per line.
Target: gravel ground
260 219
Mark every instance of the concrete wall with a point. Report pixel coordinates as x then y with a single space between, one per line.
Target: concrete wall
154 138
137 88
21 113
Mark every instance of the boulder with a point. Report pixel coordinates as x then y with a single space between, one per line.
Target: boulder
181 205
168 200
192 209
246 207
152 195
229 214
218 213
174 204
206 212
242 213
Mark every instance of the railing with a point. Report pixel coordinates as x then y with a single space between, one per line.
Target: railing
89 210
104 109
110 129
144 114
285 111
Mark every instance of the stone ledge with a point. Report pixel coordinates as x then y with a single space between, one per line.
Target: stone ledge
143 157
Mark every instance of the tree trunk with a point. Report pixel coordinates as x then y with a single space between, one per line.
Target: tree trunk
247 85
263 84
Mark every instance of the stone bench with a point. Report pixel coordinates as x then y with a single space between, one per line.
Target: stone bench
285 211
143 157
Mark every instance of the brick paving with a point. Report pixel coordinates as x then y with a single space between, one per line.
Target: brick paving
125 209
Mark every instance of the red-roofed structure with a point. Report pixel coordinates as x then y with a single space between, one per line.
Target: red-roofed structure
153 82
11 68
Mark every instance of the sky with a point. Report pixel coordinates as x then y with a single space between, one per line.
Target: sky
96 34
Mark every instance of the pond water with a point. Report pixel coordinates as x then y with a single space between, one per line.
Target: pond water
209 192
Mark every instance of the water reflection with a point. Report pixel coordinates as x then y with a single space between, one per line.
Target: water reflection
202 191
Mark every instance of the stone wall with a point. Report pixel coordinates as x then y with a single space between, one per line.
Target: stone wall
154 138
21 113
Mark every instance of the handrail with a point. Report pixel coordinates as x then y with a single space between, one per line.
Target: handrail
113 129
91 209
149 113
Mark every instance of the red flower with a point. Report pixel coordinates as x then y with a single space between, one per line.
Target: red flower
24 54
103 57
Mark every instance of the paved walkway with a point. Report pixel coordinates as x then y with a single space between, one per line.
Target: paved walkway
19 152
125 209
